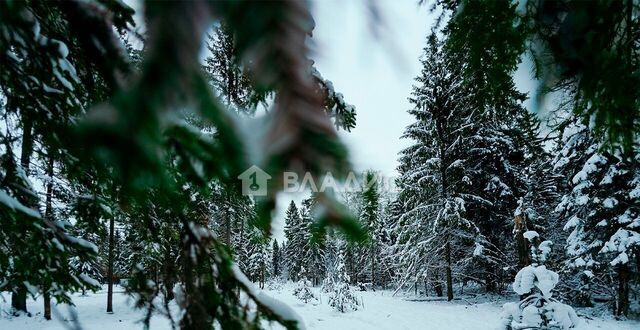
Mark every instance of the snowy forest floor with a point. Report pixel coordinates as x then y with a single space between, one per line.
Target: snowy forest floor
380 310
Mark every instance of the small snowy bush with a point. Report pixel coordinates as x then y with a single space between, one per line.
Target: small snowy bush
341 298
537 310
328 284
275 284
303 291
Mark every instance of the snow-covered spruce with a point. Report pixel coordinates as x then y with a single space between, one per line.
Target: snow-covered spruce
341 298
303 291
327 284
295 232
537 309
600 215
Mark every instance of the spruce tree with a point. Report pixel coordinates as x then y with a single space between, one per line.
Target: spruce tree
356 255
227 75
504 143
314 244
341 298
370 218
434 233
599 209
294 232
276 259
258 263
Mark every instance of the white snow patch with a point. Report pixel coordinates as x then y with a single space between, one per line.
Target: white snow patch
530 235
14 204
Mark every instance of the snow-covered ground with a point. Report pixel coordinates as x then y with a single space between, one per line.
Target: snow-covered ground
383 311
90 310
380 310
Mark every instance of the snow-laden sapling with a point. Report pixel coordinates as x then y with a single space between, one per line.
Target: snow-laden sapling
303 291
534 283
327 284
275 284
341 297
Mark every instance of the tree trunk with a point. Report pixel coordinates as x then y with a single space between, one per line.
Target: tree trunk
19 300
444 164
449 280
426 287
48 213
169 270
637 253
47 306
110 266
262 271
437 286
373 268
19 297
491 283
227 229
349 266
623 291
519 227
27 144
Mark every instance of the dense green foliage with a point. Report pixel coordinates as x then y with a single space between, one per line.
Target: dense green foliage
146 140
591 48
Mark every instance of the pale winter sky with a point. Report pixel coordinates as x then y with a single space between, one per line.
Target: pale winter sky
374 73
